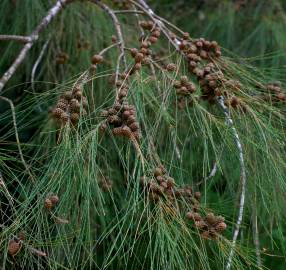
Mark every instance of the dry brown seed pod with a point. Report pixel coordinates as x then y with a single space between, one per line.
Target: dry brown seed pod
102 127
177 84
193 48
211 218
63 100
145 44
220 227
156 33
74 118
126 115
197 216
57 112
217 53
160 178
219 219
64 117
143 24
78 95
234 101
144 51
119 83
122 94
48 204
197 195
150 25
117 131
114 119
171 67
184 80
164 185
170 182
201 224
200 73
137 66
74 105
218 92
186 36
214 44
203 54
97 59
192 64
199 44
157 172
183 91
14 247
190 215
133 52
183 44
139 57
213 84
113 39
61 105
153 39
134 126
126 131
281 96
205 234
68 95
84 102
104 113
146 61
54 199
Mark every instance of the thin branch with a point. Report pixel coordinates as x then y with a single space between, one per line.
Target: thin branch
3 185
35 66
22 39
117 27
230 123
212 173
17 136
60 4
123 11
256 237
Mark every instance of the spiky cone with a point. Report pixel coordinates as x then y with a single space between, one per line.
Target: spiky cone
48 204
54 199
157 172
211 219
96 59
57 112
68 95
201 225
74 118
220 227
205 235
14 247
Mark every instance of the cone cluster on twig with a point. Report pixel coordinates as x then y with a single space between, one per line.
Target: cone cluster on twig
275 88
122 118
209 226
161 185
70 107
14 246
201 55
62 58
51 201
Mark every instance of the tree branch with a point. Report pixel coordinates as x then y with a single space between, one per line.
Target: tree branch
230 123
22 39
34 37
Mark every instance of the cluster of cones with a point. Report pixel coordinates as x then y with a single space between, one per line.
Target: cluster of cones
161 185
210 226
201 55
122 118
68 108
62 58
